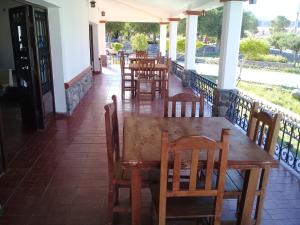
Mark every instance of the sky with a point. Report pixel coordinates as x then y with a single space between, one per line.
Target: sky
270 9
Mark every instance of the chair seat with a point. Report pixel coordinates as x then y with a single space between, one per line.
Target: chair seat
184 207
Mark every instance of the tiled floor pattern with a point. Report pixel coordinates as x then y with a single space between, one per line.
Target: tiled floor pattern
60 176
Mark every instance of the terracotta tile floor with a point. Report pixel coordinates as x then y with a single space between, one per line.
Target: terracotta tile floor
59 177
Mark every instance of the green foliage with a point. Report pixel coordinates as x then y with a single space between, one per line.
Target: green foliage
211 23
251 47
181 44
278 40
181 27
114 29
279 24
293 43
139 42
117 46
249 24
269 58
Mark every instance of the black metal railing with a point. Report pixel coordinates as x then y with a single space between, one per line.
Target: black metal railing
178 70
288 143
198 83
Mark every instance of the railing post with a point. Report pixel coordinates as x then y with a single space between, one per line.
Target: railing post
221 101
187 77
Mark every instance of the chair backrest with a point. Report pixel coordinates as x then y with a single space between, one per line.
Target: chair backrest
112 135
263 128
146 68
141 54
183 99
193 153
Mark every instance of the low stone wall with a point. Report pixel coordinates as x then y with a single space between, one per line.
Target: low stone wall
262 64
77 89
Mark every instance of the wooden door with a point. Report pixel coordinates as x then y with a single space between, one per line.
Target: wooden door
43 69
91 45
24 65
31 46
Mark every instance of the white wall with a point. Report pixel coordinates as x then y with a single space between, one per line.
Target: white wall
6 50
57 61
69 39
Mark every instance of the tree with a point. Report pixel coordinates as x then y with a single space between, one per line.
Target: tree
252 47
181 27
181 44
114 29
279 24
293 43
146 28
249 23
278 40
211 23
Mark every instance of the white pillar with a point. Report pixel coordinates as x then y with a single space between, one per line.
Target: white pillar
101 37
163 38
190 41
173 38
102 42
96 47
230 41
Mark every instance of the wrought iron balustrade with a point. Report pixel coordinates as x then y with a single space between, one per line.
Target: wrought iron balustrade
239 107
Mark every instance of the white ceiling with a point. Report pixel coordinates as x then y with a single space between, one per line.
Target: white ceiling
150 10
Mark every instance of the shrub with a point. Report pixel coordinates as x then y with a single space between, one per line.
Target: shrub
269 58
251 47
117 46
139 42
181 44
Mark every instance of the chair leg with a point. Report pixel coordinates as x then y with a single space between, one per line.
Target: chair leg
110 206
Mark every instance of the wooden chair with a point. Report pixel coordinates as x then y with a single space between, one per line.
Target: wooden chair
145 78
128 82
263 129
117 176
173 199
162 79
141 54
183 99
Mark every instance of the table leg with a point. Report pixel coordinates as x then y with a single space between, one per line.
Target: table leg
248 196
135 196
133 89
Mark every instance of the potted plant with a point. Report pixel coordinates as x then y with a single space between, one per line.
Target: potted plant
117 46
139 42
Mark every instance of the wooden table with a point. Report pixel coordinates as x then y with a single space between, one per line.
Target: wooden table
162 70
142 145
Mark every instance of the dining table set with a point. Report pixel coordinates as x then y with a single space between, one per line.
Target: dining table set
182 156
145 75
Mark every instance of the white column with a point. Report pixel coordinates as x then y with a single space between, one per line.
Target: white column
96 47
230 41
173 40
190 41
101 38
163 38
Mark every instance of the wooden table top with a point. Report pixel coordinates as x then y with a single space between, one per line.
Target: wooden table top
142 140
157 66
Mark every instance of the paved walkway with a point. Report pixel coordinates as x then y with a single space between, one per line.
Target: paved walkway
60 176
254 75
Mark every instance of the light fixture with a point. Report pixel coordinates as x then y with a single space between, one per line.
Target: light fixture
93 4
252 1
102 13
